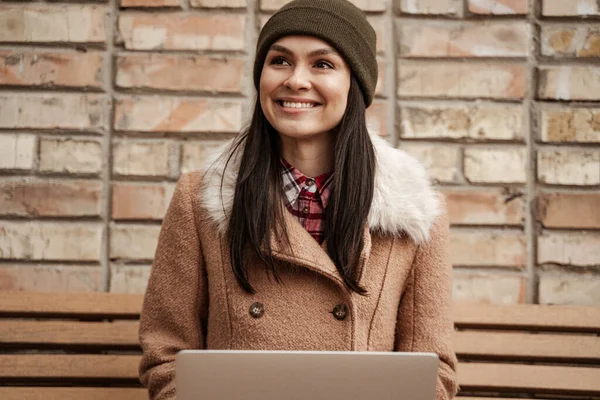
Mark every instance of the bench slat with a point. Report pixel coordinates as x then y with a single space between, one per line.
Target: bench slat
96 393
108 334
95 304
72 393
528 316
79 366
513 345
508 345
530 378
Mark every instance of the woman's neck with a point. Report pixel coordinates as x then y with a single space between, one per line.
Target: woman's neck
312 157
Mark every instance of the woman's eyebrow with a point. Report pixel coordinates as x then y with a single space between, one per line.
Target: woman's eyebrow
281 49
317 52
323 52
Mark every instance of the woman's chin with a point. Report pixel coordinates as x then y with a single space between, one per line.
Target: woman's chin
302 134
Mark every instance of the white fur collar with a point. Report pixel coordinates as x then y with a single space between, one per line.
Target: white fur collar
403 200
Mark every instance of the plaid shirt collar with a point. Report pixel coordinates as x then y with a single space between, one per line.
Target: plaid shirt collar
295 181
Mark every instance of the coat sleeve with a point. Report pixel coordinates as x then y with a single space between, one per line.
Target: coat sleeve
174 302
425 322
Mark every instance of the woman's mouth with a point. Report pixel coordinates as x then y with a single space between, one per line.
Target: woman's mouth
296 104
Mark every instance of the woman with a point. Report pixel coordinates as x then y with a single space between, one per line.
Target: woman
306 233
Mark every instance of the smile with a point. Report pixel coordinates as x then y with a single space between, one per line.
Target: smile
290 104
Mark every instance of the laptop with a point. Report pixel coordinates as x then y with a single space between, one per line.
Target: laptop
304 375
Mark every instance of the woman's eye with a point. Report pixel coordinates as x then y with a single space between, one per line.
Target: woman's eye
279 61
324 64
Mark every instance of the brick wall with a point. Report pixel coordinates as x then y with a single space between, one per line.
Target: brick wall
104 104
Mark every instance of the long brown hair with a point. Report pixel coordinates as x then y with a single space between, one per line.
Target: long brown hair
258 209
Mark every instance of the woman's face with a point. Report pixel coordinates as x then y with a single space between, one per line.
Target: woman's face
303 87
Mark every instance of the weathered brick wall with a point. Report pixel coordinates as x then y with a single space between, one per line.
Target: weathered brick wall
104 104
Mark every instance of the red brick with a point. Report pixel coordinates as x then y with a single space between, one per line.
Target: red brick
488 288
133 201
365 5
177 114
182 32
569 167
498 7
569 210
51 278
219 3
50 69
71 155
571 8
571 41
129 278
455 121
488 249
194 153
377 118
381 87
569 82
431 7
17 151
463 39
483 165
580 249
142 158
371 5
194 73
485 207
73 111
381 26
272 5
150 3
580 289
133 242
442 162
31 23
461 80
64 241
575 125
48 198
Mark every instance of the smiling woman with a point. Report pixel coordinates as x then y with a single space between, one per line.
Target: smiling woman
306 232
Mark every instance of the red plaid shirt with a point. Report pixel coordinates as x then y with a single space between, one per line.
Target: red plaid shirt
306 198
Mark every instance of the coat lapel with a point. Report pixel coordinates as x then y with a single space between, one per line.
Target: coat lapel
306 252
303 250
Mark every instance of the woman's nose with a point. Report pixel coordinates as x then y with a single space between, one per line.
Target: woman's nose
299 79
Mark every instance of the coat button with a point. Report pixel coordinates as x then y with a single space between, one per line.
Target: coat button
257 310
340 312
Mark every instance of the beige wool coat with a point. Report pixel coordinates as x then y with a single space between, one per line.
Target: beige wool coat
193 300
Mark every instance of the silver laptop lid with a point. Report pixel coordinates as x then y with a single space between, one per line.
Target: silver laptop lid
293 375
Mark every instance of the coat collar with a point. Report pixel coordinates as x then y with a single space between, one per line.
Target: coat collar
403 200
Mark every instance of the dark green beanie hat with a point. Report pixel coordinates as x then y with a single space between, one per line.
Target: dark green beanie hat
338 22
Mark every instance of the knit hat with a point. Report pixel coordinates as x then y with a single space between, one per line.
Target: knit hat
338 22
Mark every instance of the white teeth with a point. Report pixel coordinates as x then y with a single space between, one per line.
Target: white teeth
289 104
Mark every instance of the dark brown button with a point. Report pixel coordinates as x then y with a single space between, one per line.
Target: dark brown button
310 182
305 210
340 312
257 310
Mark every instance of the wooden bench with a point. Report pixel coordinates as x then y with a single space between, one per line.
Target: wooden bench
69 346
84 346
